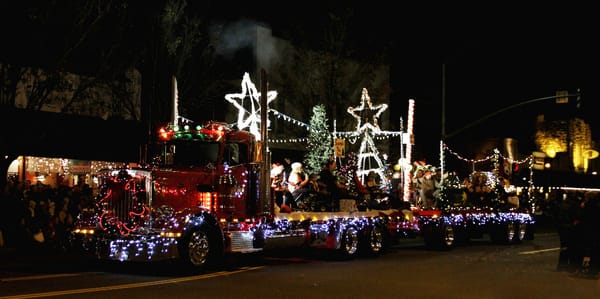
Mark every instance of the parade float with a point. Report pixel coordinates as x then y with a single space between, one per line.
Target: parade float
205 194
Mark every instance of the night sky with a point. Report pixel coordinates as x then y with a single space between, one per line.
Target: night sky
489 66
493 56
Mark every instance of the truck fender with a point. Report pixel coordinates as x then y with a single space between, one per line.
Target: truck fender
206 220
201 245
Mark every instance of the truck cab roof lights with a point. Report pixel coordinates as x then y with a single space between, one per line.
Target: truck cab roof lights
209 131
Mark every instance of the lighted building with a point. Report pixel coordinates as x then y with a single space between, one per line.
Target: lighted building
563 137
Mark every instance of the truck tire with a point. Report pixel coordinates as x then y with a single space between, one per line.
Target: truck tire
440 238
349 243
373 242
520 232
199 250
503 233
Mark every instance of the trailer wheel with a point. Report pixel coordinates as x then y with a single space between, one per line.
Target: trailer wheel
520 232
448 237
504 233
374 241
442 238
199 249
349 243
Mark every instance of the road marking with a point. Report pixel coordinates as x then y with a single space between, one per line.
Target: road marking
540 251
35 277
130 285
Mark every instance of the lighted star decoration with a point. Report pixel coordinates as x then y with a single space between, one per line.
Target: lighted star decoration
367 114
249 118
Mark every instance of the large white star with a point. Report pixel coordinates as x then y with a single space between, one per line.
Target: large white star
367 116
249 119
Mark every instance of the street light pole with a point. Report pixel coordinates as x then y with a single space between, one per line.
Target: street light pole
443 133
508 108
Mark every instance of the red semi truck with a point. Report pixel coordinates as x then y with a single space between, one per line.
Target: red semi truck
200 199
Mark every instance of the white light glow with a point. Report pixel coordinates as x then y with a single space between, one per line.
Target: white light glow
249 119
409 132
367 125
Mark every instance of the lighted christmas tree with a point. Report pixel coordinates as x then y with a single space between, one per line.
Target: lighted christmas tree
320 142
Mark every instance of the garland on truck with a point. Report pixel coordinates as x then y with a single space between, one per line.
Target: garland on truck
483 188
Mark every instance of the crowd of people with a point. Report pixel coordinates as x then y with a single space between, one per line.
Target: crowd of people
292 187
295 189
578 224
39 215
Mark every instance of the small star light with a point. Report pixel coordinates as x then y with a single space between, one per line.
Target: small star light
249 119
367 116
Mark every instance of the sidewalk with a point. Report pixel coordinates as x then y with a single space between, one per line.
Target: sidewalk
7 253
15 263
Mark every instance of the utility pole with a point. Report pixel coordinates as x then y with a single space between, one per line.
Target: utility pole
265 191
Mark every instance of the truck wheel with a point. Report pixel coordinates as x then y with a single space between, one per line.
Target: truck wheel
440 238
374 241
349 243
520 232
199 249
448 237
504 233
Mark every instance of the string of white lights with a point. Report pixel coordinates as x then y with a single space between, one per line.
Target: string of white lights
289 119
457 155
288 140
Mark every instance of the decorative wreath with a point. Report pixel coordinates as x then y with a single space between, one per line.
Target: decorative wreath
112 197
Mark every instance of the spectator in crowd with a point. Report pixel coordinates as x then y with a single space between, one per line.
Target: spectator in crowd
590 233
62 222
567 217
13 216
29 220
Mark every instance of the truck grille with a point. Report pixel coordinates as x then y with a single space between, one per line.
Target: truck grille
121 206
124 201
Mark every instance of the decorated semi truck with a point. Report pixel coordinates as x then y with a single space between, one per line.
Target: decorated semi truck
203 196
484 204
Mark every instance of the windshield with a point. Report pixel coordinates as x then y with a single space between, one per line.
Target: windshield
202 153
192 153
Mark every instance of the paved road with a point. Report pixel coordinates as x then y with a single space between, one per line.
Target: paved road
479 269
